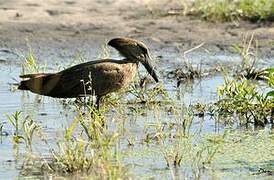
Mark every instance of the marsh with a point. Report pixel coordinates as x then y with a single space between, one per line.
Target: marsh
205 118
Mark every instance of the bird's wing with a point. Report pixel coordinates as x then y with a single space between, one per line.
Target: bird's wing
36 75
91 73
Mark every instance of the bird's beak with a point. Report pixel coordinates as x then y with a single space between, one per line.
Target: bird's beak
149 67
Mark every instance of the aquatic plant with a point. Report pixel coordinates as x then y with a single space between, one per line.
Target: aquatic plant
14 121
30 64
200 109
243 98
179 146
29 128
93 145
88 152
24 129
147 95
187 72
1 131
269 77
247 50
173 155
1 128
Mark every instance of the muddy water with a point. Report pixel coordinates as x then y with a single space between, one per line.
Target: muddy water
53 117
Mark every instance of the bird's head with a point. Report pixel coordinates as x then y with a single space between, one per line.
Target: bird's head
134 51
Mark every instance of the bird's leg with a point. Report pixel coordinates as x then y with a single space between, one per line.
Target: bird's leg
98 98
98 102
79 100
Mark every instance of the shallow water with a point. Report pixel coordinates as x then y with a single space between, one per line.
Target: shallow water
51 115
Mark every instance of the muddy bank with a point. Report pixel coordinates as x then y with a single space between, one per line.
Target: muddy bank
72 26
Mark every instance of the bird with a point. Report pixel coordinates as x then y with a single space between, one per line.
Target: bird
97 77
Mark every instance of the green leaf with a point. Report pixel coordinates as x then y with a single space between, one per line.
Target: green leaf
270 93
270 70
69 130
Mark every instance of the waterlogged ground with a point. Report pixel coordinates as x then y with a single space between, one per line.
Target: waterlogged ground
151 137
240 153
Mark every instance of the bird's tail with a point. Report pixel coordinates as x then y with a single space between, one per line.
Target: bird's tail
28 76
23 85
26 83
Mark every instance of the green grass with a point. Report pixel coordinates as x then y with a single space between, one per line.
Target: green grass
243 98
24 128
231 10
88 148
31 65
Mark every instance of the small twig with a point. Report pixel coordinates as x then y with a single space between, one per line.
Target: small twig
192 49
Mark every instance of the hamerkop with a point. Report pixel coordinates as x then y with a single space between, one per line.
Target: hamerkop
98 77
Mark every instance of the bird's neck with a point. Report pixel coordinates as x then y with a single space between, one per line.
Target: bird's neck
130 70
127 60
131 66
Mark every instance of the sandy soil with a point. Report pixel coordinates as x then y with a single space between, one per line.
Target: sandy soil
69 24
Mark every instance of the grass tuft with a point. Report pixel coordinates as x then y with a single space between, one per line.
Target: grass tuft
234 10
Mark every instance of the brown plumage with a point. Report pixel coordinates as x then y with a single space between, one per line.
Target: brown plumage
98 77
